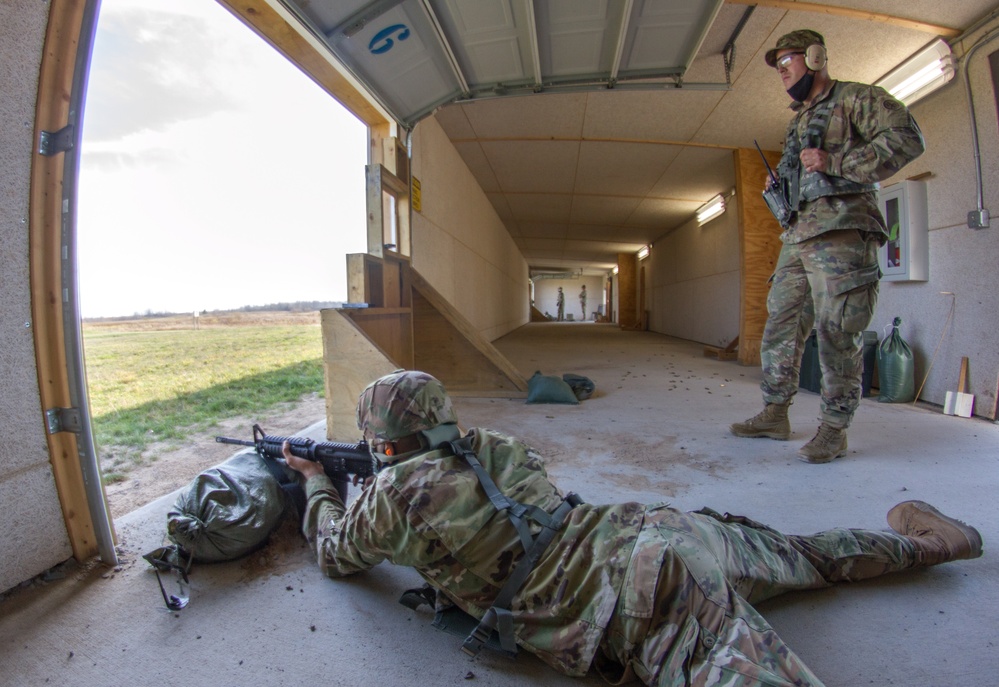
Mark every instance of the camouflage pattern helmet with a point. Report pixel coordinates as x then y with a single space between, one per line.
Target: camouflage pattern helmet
403 403
796 40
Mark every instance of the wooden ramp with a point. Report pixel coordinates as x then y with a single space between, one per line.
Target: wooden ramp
448 347
398 320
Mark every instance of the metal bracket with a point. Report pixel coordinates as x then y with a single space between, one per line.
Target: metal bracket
978 219
63 420
50 143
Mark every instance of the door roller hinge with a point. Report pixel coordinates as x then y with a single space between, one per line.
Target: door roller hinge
63 420
55 142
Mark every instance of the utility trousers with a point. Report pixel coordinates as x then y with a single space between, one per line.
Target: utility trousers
829 282
691 621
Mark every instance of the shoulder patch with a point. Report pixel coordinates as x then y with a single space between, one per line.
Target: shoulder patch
891 105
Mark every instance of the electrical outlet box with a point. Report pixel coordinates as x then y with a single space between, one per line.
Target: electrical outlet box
978 219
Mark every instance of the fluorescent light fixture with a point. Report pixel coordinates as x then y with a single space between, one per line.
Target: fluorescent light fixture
614 271
711 209
643 252
921 74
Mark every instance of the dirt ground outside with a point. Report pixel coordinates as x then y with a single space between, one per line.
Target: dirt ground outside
206 320
175 467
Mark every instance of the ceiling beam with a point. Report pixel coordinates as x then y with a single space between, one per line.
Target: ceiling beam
589 139
622 36
452 59
865 15
532 37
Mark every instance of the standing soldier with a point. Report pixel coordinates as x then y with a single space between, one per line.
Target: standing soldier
560 303
582 301
843 139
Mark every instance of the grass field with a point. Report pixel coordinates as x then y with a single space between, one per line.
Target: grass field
157 379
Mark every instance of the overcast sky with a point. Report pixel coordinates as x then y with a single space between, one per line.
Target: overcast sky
214 174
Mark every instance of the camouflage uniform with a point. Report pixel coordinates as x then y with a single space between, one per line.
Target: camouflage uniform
560 305
827 273
635 590
582 302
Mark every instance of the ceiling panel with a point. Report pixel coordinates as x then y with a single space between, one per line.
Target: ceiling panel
533 166
647 115
696 174
539 207
595 250
632 235
603 210
491 40
658 215
547 230
555 116
621 169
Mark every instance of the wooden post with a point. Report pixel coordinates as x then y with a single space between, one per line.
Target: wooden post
759 240
627 286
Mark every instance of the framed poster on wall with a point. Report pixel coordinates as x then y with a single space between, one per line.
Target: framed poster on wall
905 256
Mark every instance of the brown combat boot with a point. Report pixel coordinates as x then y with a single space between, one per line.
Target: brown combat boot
938 538
771 422
828 444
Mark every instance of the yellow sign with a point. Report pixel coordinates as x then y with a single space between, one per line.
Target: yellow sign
417 198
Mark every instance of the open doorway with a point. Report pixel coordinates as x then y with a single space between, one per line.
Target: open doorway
215 178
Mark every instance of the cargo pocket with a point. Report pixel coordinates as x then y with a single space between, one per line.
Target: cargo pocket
856 296
638 592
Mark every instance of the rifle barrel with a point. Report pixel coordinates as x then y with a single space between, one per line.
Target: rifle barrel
238 442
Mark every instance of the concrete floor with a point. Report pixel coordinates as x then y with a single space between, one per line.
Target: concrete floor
656 429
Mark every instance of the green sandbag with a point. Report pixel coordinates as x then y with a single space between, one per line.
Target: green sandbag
227 511
549 389
895 368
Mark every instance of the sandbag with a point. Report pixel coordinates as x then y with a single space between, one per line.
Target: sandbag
896 370
227 511
549 389
581 386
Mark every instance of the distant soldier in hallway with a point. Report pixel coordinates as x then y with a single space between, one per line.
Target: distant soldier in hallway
582 301
560 304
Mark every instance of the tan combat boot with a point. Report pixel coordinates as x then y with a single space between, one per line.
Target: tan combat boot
938 538
828 444
771 422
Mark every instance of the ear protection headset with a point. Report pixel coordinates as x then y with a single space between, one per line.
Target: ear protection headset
815 56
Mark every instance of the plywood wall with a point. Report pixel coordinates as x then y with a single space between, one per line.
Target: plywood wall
759 242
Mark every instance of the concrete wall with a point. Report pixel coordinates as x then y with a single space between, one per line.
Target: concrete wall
962 260
692 280
546 290
459 243
33 535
